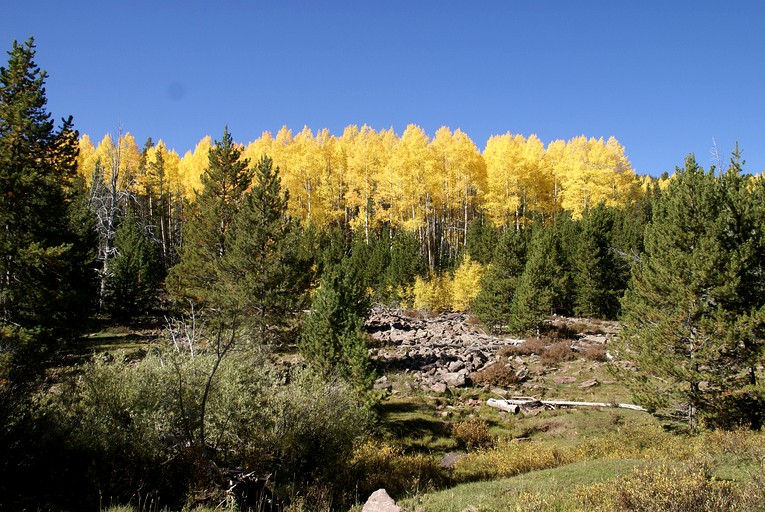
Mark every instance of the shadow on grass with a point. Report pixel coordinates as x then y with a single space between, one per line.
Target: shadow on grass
413 426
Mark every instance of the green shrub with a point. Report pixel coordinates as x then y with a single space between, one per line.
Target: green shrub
140 425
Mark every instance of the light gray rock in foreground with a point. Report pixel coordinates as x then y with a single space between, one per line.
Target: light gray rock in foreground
379 501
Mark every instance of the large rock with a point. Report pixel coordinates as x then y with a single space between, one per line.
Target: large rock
455 380
379 501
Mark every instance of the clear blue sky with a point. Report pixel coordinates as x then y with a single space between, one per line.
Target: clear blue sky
664 77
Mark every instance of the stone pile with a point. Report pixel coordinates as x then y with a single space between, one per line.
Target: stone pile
440 353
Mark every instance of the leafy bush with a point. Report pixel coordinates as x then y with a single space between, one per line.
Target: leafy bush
472 433
596 353
664 488
497 374
527 348
141 426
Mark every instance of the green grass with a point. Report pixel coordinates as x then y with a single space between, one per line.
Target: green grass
520 492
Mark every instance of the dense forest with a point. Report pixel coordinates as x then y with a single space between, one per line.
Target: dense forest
237 253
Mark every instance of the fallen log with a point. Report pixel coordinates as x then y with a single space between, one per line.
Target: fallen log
508 404
502 405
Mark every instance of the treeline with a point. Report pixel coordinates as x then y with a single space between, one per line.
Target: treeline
366 179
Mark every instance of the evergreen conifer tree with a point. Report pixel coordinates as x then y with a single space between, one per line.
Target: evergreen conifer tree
134 273
224 182
44 254
535 294
333 340
499 282
598 283
694 314
263 273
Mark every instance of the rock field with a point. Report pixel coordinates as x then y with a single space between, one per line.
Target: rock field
442 352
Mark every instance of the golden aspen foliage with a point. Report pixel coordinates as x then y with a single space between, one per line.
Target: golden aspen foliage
502 200
387 187
192 166
86 160
409 166
554 159
466 284
456 182
332 184
302 174
518 179
433 294
536 177
366 158
120 162
595 172
170 181
259 148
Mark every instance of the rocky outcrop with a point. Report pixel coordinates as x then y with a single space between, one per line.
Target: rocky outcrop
440 353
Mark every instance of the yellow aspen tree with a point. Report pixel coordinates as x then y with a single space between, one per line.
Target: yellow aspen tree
259 148
386 201
466 284
366 157
536 178
554 159
433 294
119 161
192 166
332 185
303 157
410 163
574 177
457 183
86 159
502 200
624 182
595 171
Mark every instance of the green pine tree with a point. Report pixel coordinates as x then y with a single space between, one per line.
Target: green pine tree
196 277
499 283
44 253
134 273
333 340
597 281
535 295
694 315
406 262
263 273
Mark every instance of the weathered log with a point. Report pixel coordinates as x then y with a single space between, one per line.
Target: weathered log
502 405
506 404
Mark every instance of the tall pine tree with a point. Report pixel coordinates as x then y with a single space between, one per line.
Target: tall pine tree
224 183
44 254
263 273
694 314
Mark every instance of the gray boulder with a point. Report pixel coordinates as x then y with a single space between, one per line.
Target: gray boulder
379 501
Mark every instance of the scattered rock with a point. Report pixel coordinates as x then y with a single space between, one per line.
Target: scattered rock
382 383
589 383
564 380
439 387
450 459
380 501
